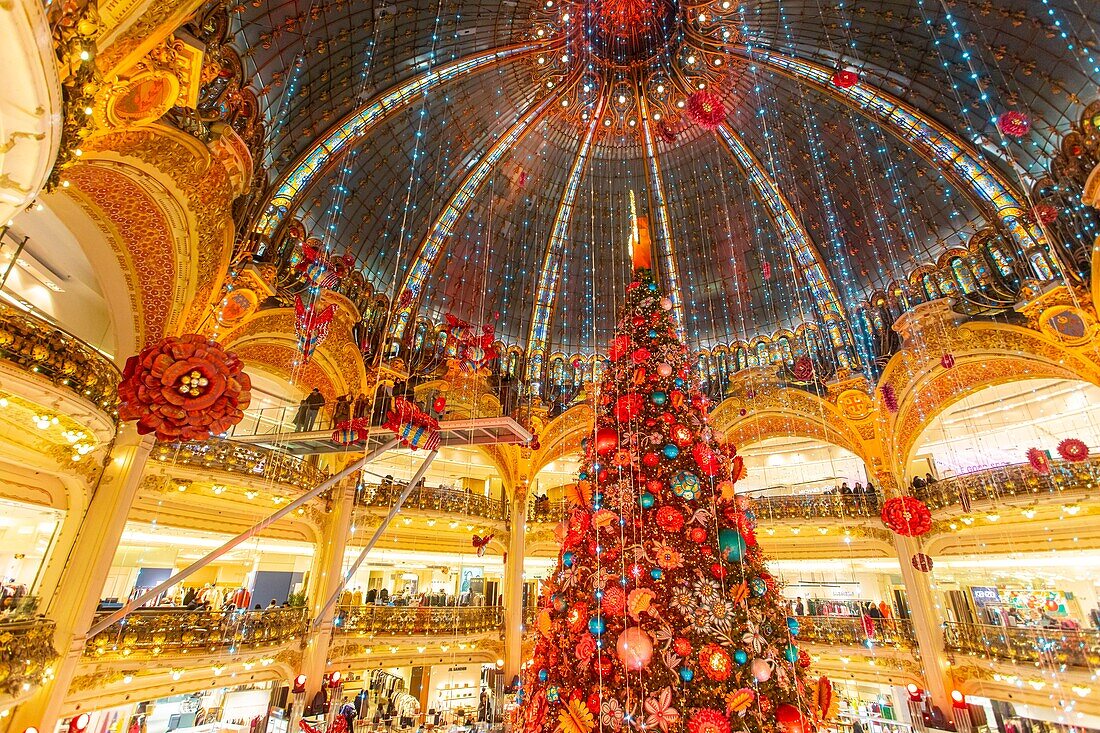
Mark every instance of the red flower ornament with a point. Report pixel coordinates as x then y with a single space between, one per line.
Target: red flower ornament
706 109
1014 124
1073 449
1039 460
844 79
184 388
708 720
907 516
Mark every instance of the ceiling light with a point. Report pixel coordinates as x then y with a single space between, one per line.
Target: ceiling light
691 59
718 62
660 88
680 104
656 115
622 99
1029 513
565 58
1071 508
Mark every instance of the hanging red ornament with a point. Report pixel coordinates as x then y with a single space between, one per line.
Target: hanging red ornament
311 326
889 397
789 719
480 543
682 435
1045 213
706 109
844 79
665 132
1073 449
1014 124
607 440
184 388
947 361
907 516
922 562
766 270
706 459
628 407
1039 460
803 368
439 404
697 534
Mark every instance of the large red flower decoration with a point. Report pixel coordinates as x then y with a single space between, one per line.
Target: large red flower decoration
1073 449
706 109
803 368
1014 124
1039 460
184 388
845 79
907 515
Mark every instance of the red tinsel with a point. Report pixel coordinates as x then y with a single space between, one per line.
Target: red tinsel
907 516
184 388
706 110
922 562
1073 449
889 397
1014 124
1039 460
844 79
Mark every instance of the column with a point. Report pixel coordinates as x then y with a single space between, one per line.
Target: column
73 604
327 575
513 585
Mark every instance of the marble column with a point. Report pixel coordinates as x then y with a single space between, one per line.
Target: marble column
513 586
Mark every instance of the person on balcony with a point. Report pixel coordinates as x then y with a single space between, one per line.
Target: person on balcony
314 401
360 407
301 417
341 411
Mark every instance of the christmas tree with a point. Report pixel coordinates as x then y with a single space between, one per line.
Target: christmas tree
660 615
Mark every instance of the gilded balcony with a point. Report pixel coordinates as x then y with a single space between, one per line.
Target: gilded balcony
1019 483
247 461
26 655
178 632
818 506
441 499
36 346
853 631
400 621
1054 647
542 511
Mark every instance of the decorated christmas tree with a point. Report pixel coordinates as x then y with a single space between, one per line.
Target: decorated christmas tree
661 615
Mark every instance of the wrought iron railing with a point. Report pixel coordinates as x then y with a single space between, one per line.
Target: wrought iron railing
857 631
1044 646
26 653
1007 482
417 620
46 350
547 511
817 506
150 632
439 498
246 460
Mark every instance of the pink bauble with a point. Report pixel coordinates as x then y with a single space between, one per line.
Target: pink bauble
666 304
761 670
634 649
665 370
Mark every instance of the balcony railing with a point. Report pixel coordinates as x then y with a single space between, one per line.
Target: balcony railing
180 631
439 498
246 460
547 511
1005 482
26 653
855 631
416 621
1074 648
817 506
44 349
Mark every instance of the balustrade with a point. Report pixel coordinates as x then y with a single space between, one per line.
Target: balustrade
547 511
857 631
817 506
26 653
1051 647
247 460
181 631
1006 482
440 498
38 346
417 620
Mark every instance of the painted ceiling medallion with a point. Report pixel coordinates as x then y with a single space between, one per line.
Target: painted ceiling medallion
644 58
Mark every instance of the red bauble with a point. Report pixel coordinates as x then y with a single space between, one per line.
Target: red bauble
593 703
804 660
604 664
907 516
1073 449
789 719
718 570
439 404
947 361
670 519
706 109
922 562
607 440
651 460
844 79
184 388
655 486
613 602
1014 124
